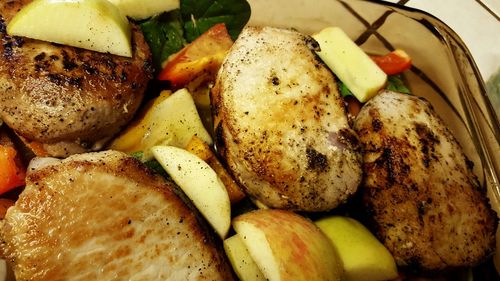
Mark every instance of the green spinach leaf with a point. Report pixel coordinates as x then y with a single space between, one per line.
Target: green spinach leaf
169 32
200 15
395 83
164 35
344 91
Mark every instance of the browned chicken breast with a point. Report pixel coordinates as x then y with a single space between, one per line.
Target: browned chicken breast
103 216
428 207
70 99
281 123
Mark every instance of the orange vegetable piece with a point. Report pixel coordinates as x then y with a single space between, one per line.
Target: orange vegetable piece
12 174
394 62
203 56
201 149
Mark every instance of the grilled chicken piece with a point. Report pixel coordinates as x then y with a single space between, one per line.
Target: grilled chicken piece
103 216
70 99
427 206
281 124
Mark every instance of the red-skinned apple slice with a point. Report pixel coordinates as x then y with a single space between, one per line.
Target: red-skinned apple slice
286 246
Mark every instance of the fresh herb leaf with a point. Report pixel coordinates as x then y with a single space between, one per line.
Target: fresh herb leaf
164 35
169 32
344 91
138 155
395 83
200 15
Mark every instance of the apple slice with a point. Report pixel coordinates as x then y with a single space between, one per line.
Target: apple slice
350 63
286 246
170 120
240 259
200 183
201 149
95 25
142 9
363 256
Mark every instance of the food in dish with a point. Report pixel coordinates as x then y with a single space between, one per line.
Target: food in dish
100 215
418 188
363 257
287 246
143 9
70 100
200 183
169 32
243 264
89 24
281 125
350 63
172 119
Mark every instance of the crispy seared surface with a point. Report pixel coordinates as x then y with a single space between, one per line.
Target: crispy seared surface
71 99
281 124
103 216
427 205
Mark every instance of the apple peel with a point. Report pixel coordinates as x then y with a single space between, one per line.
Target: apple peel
286 246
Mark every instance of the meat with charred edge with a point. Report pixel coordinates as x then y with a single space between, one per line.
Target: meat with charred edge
69 99
281 124
425 203
96 216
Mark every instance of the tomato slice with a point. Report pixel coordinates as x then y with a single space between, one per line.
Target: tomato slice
12 174
203 56
394 62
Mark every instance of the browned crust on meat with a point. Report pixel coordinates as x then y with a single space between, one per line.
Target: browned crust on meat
426 204
280 123
69 203
57 94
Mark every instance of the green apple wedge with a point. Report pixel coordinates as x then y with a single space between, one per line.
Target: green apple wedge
350 63
142 9
94 25
200 183
363 256
170 120
287 246
240 259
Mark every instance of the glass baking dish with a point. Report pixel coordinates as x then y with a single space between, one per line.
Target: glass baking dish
443 71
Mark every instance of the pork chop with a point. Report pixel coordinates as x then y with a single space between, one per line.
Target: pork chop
428 208
281 124
71 100
104 216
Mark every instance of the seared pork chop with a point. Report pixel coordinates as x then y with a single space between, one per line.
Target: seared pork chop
428 207
70 99
281 124
104 216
